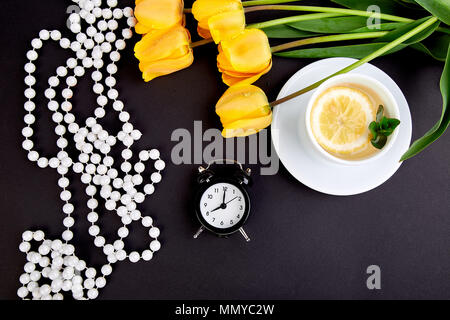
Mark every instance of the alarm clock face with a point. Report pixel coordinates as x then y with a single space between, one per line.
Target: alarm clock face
223 207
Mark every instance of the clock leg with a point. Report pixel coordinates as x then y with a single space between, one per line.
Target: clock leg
198 232
244 234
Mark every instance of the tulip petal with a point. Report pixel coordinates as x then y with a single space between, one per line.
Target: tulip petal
242 102
204 33
204 9
154 69
159 14
224 26
231 79
248 52
243 128
162 44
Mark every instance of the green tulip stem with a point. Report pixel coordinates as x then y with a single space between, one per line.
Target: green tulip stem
331 38
340 11
261 2
201 42
359 63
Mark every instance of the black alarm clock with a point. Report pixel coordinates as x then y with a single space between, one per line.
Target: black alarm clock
222 204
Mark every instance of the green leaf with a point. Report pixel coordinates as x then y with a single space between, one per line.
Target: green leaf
391 36
357 51
386 6
384 124
285 31
436 46
380 113
331 25
373 127
379 142
439 128
438 8
393 123
380 27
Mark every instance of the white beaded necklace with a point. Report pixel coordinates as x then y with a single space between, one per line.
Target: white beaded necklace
54 268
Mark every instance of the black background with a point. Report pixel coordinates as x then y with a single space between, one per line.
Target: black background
304 244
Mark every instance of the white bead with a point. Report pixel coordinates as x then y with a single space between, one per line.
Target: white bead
134 257
147 255
99 241
64 43
126 220
128 12
27 144
92 217
75 27
100 282
68 208
67 235
30 67
33 156
53 105
24 247
110 37
65 195
155 245
147 221
154 154
156 177
114 56
149 189
121 255
106 270
139 197
136 134
94 230
79 71
90 273
22 292
56 35
160 165
118 105
98 88
38 235
32 55
123 232
30 93
35 275
154 232
67 93
36 43
92 293
92 203
44 34
30 80
29 119
29 106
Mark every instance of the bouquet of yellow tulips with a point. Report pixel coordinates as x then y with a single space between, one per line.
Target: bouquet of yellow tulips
245 54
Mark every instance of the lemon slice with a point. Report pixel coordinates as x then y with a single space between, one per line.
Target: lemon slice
340 119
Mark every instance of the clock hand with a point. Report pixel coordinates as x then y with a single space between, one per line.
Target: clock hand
224 194
231 200
219 207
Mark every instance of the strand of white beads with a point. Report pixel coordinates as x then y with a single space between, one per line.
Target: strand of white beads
54 268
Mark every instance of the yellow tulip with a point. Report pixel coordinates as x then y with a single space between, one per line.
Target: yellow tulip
245 58
219 19
243 110
161 52
158 14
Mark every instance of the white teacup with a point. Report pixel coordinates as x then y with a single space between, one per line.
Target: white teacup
359 80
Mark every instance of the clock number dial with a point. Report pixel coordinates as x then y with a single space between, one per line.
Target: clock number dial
222 205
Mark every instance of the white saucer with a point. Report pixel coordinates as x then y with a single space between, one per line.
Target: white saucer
306 164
